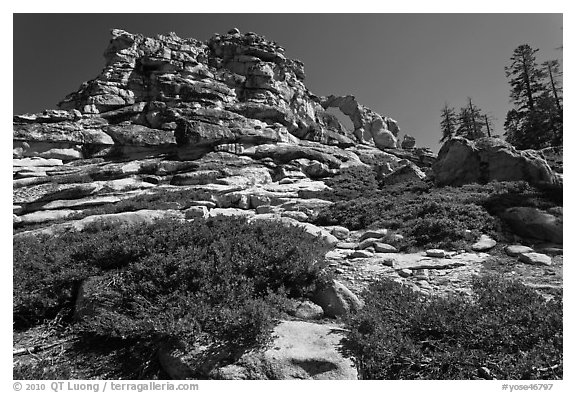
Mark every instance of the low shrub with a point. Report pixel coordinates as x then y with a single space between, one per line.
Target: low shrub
436 217
44 369
216 275
351 183
507 328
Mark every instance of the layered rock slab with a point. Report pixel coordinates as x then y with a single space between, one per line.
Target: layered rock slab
300 350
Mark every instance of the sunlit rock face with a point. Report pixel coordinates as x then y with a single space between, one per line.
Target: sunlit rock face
184 95
230 117
461 161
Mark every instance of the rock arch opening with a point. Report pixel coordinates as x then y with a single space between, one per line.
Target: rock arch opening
342 118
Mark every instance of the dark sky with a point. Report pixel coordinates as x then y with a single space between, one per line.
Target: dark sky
400 65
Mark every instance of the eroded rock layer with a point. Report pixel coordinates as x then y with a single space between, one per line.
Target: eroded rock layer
183 97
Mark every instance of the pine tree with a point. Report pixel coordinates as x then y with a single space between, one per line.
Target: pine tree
552 102
555 81
525 78
489 124
448 123
536 120
471 122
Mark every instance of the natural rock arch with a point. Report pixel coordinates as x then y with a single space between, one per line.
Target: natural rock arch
369 126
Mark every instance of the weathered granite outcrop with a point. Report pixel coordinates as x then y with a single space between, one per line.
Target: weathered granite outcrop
535 223
173 97
188 130
461 161
369 127
301 350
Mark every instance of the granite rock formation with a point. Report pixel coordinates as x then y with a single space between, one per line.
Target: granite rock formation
230 124
461 161
182 97
230 117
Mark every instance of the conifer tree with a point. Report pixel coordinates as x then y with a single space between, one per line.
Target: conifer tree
536 119
448 123
471 122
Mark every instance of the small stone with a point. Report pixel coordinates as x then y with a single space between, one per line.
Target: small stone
436 253
196 212
423 284
337 300
384 248
234 31
366 243
346 245
517 249
484 373
339 271
534 258
375 234
340 232
404 272
307 310
299 216
484 243
153 179
361 254
264 209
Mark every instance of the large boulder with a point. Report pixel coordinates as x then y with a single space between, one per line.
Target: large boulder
554 156
535 223
408 142
461 161
337 300
406 173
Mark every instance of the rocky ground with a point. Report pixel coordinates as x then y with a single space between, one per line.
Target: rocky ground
179 128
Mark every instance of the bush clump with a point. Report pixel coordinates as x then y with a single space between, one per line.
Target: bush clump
507 328
171 282
351 183
436 217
